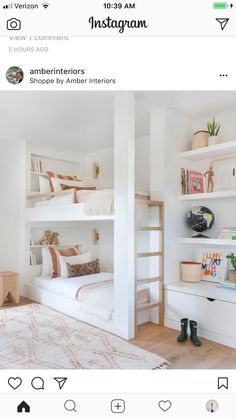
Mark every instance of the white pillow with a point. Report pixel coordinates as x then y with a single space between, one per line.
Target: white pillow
44 186
46 262
73 260
57 183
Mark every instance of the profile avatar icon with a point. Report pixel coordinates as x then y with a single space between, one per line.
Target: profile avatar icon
212 406
14 75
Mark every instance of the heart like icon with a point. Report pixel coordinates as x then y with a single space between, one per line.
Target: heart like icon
15 382
165 405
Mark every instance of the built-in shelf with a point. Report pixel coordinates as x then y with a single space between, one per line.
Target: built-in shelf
214 151
34 246
205 241
211 195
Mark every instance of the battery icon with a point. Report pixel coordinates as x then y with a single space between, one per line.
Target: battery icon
220 6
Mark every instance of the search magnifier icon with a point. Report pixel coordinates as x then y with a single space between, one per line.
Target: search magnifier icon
70 406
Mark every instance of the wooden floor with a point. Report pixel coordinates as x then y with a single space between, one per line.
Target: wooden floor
162 341
23 301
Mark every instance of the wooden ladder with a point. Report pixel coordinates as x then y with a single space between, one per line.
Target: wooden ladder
159 278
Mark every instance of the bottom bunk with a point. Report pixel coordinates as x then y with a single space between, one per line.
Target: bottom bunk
88 298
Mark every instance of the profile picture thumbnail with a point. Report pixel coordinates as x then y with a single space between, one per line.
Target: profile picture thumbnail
14 75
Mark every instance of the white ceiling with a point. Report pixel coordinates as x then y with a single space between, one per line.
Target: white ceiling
84 120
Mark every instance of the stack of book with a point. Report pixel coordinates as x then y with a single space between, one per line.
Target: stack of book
228 233
36 166
191 182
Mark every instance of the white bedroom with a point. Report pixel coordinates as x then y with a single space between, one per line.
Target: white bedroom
93 230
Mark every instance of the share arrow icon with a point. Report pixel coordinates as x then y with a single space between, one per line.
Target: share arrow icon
61 381
223 22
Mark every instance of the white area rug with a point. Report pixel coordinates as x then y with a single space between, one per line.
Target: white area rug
35 336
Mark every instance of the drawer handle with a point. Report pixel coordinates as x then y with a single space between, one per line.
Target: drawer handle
210 299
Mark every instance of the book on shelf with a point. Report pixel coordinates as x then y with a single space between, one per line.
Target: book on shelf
227 285
36 166
228 233
191 182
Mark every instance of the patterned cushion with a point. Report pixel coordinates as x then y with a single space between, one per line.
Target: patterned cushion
55 260
78 188
52 175
83 269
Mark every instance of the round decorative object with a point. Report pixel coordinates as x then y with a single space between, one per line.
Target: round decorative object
200 219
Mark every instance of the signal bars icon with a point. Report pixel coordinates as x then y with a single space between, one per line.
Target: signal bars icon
45 5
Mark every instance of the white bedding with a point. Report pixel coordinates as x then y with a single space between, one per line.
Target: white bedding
97 301
57 200
100 202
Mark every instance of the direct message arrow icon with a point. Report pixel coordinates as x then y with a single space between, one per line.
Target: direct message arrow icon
61 381
223 21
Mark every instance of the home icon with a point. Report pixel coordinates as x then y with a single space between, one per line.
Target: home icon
23 407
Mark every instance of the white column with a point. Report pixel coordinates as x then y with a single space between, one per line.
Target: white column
157 191
124 172
157 153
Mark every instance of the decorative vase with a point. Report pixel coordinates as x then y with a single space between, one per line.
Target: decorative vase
191 271
232 276
200 139
213 140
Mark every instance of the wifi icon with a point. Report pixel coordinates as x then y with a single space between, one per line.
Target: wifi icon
45 5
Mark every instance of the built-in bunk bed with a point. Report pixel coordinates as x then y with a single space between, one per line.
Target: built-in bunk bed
69 280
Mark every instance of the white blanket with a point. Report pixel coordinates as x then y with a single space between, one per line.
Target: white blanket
100 203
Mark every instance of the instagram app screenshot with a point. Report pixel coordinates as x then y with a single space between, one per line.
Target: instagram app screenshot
117 209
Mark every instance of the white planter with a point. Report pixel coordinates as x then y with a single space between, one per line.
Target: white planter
213 140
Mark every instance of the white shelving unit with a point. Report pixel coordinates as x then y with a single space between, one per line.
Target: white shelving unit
207 242
211 152
211 195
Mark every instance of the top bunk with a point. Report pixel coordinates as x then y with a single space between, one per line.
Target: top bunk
64 206
73 186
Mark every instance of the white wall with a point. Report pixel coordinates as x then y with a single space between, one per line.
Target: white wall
170 133
105 159
12 218
227 121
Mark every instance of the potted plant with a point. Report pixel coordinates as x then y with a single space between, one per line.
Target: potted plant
200 139
213 128
232 272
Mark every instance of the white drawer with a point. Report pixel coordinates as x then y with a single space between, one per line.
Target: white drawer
217 317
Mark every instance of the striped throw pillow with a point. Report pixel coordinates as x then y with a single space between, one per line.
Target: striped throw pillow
63 177
55 260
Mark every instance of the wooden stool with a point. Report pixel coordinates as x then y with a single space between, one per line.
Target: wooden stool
9 287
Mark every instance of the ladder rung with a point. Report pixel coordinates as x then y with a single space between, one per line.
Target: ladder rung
148 306
141 228
148 254
149 280
149 202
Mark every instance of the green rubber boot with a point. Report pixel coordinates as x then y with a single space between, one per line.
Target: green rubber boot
194 337
184 327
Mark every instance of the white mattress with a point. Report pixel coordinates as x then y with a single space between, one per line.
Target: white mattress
98 302
58 200
69 286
